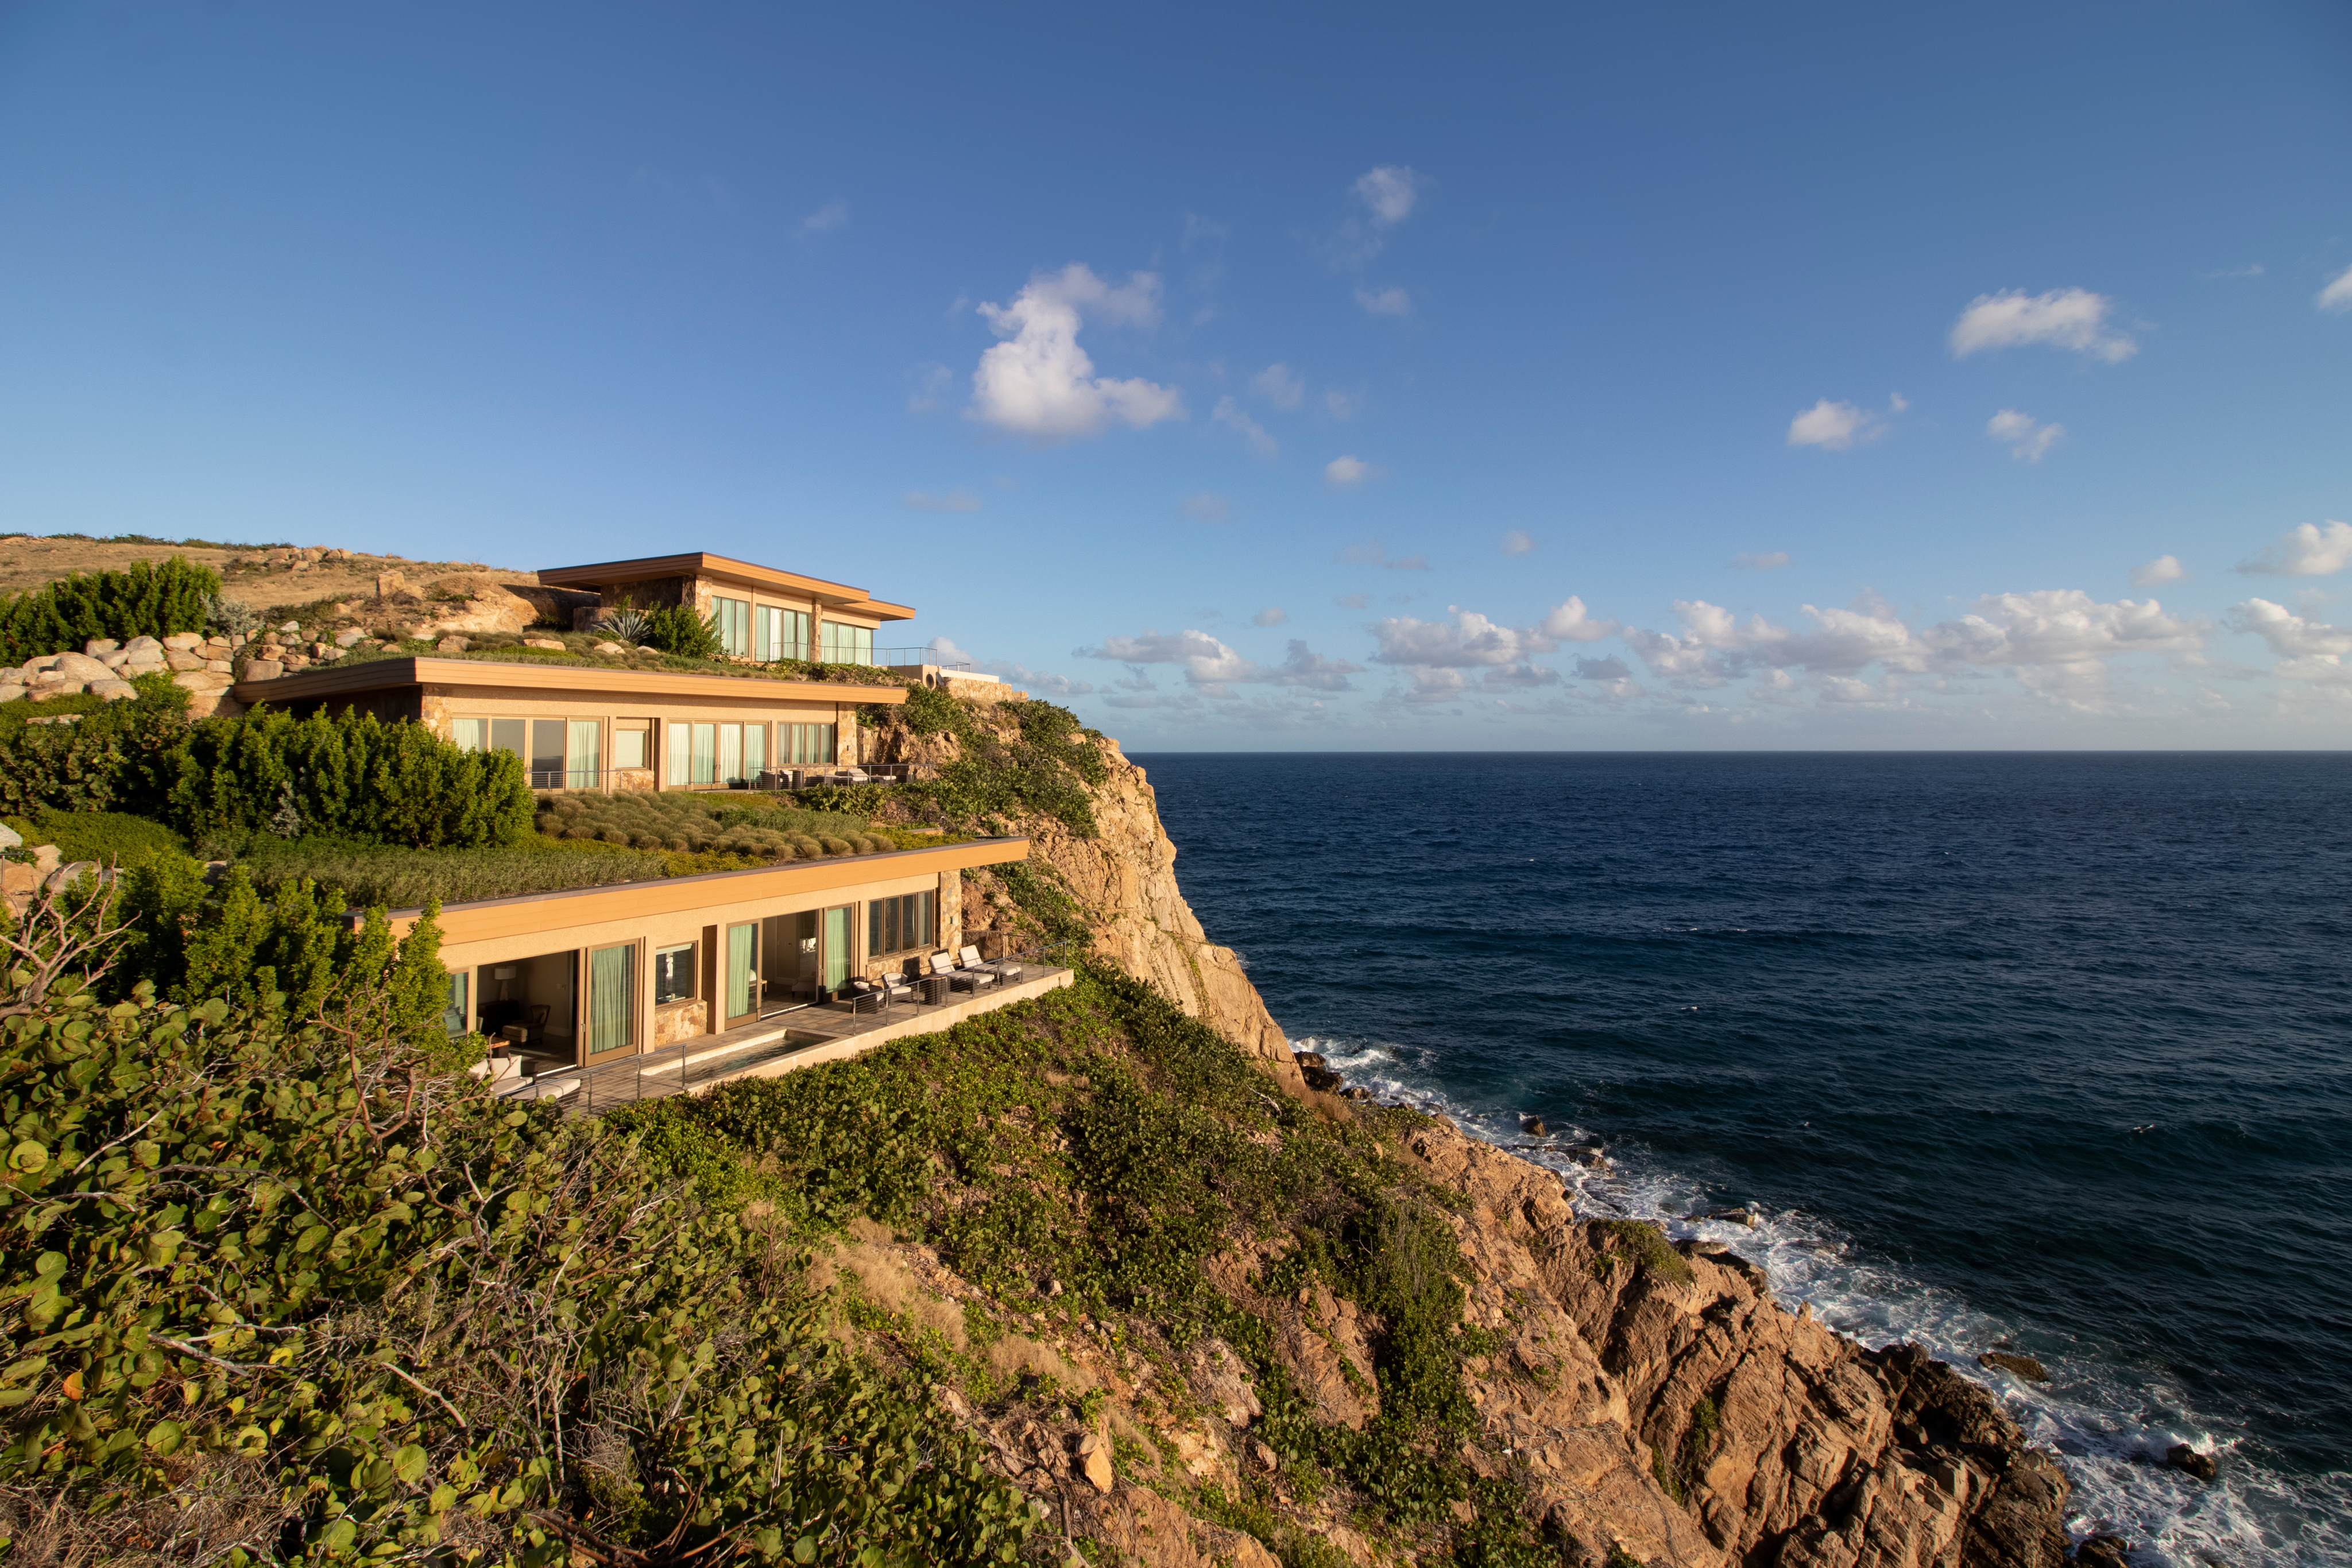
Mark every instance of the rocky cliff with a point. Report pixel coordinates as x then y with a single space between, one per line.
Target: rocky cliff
1646 1403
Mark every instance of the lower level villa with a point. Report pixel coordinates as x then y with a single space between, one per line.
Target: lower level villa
763 969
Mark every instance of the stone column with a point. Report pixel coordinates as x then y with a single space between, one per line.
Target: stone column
950 912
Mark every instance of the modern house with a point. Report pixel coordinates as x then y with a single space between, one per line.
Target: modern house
763 614
598 728
596 976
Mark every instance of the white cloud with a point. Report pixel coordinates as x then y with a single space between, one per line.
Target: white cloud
1229 413
1210 664
1389 193
831 215
2305 550
2307 650
1834 426
2163 568
1272 615
2028 441
1471 641
2072 318
1772 560
1385 301
2058 626
1041 384
2338 295
1341 405
1279 385
953 501
1207 506
1612 668
1376 554
1517 542
1346 472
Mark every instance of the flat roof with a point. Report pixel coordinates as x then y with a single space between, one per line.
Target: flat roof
335 680
525 913
701 563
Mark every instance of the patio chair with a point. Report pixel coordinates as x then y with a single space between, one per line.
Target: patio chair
865 996
899 987
944 966
1003 968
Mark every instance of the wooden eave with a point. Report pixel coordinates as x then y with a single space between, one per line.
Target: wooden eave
525 915
385 675
701 563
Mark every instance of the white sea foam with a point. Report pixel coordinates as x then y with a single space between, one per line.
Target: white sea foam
2111 1425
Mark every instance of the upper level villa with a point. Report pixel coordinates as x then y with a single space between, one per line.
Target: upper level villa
763 614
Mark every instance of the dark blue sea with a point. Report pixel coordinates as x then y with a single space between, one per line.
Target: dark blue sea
2049 1052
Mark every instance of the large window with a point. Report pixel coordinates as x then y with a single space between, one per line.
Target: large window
734 617
716 753
674 974
560 754
453 1012
806 743
583 764
629 746
846 644
899 924
783 634
468 733
612 999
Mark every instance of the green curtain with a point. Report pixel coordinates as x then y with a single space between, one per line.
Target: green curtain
837 948
742 960
612 1005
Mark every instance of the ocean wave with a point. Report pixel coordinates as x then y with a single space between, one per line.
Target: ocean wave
2111 1426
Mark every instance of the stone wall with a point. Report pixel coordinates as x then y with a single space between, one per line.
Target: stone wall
203 666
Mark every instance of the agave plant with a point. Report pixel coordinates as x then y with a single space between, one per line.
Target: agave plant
625 624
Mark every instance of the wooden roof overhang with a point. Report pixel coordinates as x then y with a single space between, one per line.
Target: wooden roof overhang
388 674
701 563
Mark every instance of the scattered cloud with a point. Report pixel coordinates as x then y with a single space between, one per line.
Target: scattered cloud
1207 506
2307 549
1210 664
1772 560
1279 385
2163 568
1389 193
2027 440
1835 426
1375 554
1229 413
2338 295
1389 301
953 501
1041 384
2307 650
1612 668
927 387
2072 318
1341 405
1517 542
1272 615
1022 676
1347 472
827 219
1352 600
1470 640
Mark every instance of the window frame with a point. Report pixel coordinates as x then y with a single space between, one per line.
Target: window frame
693 974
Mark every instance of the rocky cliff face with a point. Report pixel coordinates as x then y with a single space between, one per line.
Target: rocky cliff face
1654 1403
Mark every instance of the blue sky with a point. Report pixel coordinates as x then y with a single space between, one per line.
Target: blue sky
1338 377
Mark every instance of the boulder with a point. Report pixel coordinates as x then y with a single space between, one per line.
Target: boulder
542 642
9 837
263 669
2181 1457
50 687
183 659
451 645
219 666
1321 1078
200 680
143 645
1094 1457
2104 1551
11 690
1534 1127
2024 1366
610 648
100 647
81 667
184 641
112 691
1308 1059
346 639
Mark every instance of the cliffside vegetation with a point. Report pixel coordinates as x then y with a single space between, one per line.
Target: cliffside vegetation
143 599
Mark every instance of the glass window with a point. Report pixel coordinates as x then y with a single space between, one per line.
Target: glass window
784 634
734 617
680 739
547 754
467 734
811 743
730 753
755 750
452 1015
674 974
705 754
899 924
587 764
507 734
845 644
628 749
834 951
612 997
742 966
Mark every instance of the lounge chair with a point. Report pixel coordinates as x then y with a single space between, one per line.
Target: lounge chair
900 987
865 995
962 979
1004 969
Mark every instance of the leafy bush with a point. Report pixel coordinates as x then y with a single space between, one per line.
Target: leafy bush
142 601
347 774
111 838
228 615
119 756
679 628
1047 769
409 879
295 1287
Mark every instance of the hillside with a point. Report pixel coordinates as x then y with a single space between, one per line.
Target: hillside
267 578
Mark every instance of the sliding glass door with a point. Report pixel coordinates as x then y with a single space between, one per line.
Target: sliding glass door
740 982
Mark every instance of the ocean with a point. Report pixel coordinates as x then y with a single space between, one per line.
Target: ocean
2045 1052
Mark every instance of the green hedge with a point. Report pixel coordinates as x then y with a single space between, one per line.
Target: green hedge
117 756
111 838
142 601
349 775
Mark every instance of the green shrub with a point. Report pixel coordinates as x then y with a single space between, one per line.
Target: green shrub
1647 1247
111 838
409 879
119 756
350 775
682 631
142 600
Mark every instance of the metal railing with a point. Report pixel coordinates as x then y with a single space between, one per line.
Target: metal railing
886 657
698 1060
604 779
